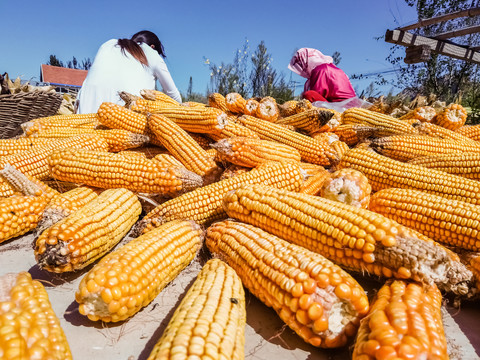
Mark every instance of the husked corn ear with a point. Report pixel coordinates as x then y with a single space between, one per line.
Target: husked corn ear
114 170
35 162
149 151
128 279
286 109
321 302
267 109
249 152
408 147
311 150
383 172
233 170
59 133
62 205
203 120
352 134
217 100
213 315
232 129
386 123
183 147
201 140
89 233
421 113
18 145
310 169
465 164
348 186
204 204
309 121
118 117
20 214
470 131
85 121
156 95
29 327
168 160
352 237
452 117
251 107
313 184
441 132
25 184
235 103
404 322
120 140
451 222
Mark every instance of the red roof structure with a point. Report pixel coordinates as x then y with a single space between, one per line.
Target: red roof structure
56 75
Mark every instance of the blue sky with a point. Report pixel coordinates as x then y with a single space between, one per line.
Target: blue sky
194 30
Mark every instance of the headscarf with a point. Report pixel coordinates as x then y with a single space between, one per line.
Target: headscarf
307 59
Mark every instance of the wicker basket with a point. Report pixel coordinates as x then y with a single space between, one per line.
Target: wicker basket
15 109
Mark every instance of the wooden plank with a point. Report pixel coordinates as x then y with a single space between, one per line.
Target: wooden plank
425 22
405 38
456 33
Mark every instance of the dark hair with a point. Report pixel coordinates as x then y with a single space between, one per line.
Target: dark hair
132 45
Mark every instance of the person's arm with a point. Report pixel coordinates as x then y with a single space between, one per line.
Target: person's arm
161 73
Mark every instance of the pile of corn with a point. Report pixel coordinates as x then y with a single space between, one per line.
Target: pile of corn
290 200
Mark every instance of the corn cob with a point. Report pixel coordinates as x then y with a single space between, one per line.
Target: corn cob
348 186
309 121
250 152
212 313
352 237
120 140
204 204
251 107
29 327
193 104
233 129
233 170
340 148
59 133
217 100
109 292
331 124
310 169
62 205
452 117
408 147
143 106
196 119
441 132
304 105
201 140
114 170
313 184
235 103
386 123
35 162
421 113
149 151
20 183
183 147
281 274
286 109
404 322
267 109
18 145
383 172
115 116
462 164
311 150
472 261
85 121
352 134
89 233
451 222
21 213
470 131
168 160
156 95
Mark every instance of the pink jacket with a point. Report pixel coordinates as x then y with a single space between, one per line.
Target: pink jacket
330 82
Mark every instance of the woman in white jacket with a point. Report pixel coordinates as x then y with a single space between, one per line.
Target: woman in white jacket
125 65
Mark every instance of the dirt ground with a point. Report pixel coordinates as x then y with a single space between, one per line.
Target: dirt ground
266 336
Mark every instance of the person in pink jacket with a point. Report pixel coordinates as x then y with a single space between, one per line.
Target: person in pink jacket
325 81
